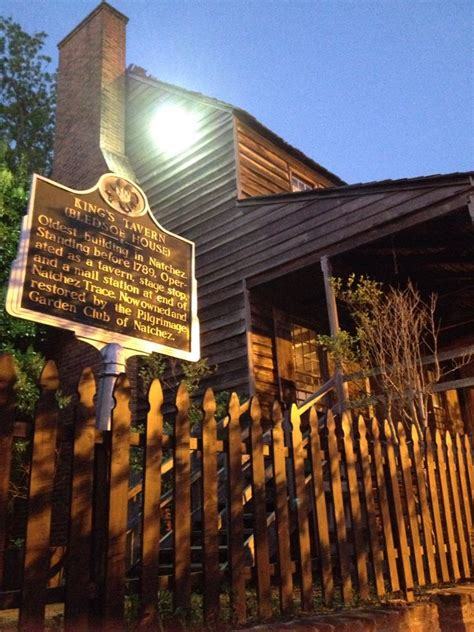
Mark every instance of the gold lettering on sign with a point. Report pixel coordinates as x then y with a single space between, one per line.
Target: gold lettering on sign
109 266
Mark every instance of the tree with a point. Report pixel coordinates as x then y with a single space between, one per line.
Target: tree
394 330
18 337
27 100
26 127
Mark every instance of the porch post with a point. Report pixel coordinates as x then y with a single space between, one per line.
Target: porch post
341 386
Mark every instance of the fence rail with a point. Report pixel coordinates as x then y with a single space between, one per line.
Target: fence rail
302 507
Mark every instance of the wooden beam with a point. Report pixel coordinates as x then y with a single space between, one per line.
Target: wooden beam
341 386
449 386
450 354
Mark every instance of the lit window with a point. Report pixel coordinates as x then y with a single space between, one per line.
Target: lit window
307 361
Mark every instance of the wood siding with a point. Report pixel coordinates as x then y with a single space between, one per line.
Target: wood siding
253 241
262 349
194 195
265 169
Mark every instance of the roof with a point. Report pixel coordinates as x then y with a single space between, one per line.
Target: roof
418 182
301 228
140 74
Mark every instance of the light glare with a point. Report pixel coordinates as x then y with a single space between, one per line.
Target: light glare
173 129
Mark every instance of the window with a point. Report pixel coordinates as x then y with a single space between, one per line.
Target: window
298 184
306 355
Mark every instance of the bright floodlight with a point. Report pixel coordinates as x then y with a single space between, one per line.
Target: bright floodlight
173 129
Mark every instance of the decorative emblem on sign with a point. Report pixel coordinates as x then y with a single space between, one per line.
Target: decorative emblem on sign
122 195
99 263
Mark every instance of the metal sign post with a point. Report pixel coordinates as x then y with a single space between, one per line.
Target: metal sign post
113 358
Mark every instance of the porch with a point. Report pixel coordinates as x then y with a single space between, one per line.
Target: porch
288 311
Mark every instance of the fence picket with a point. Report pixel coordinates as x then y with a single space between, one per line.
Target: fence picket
78 562
321 518
432 480
403 547
7 408
405 466
36 563
354 500
453 485
435 506
302 510
376 553
469 464
235 513
262 557
210 514
424 508
446 505
151 516
470 485
284 566
115 574
182 503
391 552
465 495
336 487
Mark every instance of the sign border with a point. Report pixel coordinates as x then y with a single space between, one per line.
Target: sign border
95 336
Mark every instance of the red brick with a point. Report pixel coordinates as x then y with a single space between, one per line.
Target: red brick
91 98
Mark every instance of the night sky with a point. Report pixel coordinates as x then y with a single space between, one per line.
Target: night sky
370 90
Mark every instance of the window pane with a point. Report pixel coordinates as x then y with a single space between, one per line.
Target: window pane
307 363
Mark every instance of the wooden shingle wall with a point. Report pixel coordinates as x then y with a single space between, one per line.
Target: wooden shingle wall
193 194
265 169
262 348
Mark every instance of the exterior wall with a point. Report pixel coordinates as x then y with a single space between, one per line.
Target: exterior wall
194 195
265 169
90 99
263 351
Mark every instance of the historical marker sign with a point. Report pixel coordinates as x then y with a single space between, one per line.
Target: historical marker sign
98 262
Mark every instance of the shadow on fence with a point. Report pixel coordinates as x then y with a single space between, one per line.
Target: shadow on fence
310 509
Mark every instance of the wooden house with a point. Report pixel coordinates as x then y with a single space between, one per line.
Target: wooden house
263 216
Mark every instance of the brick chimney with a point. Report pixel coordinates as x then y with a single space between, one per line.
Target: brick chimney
90 115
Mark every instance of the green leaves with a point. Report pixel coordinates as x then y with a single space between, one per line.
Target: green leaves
28 366
343 347
13 198
27 99
26 130
171 372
